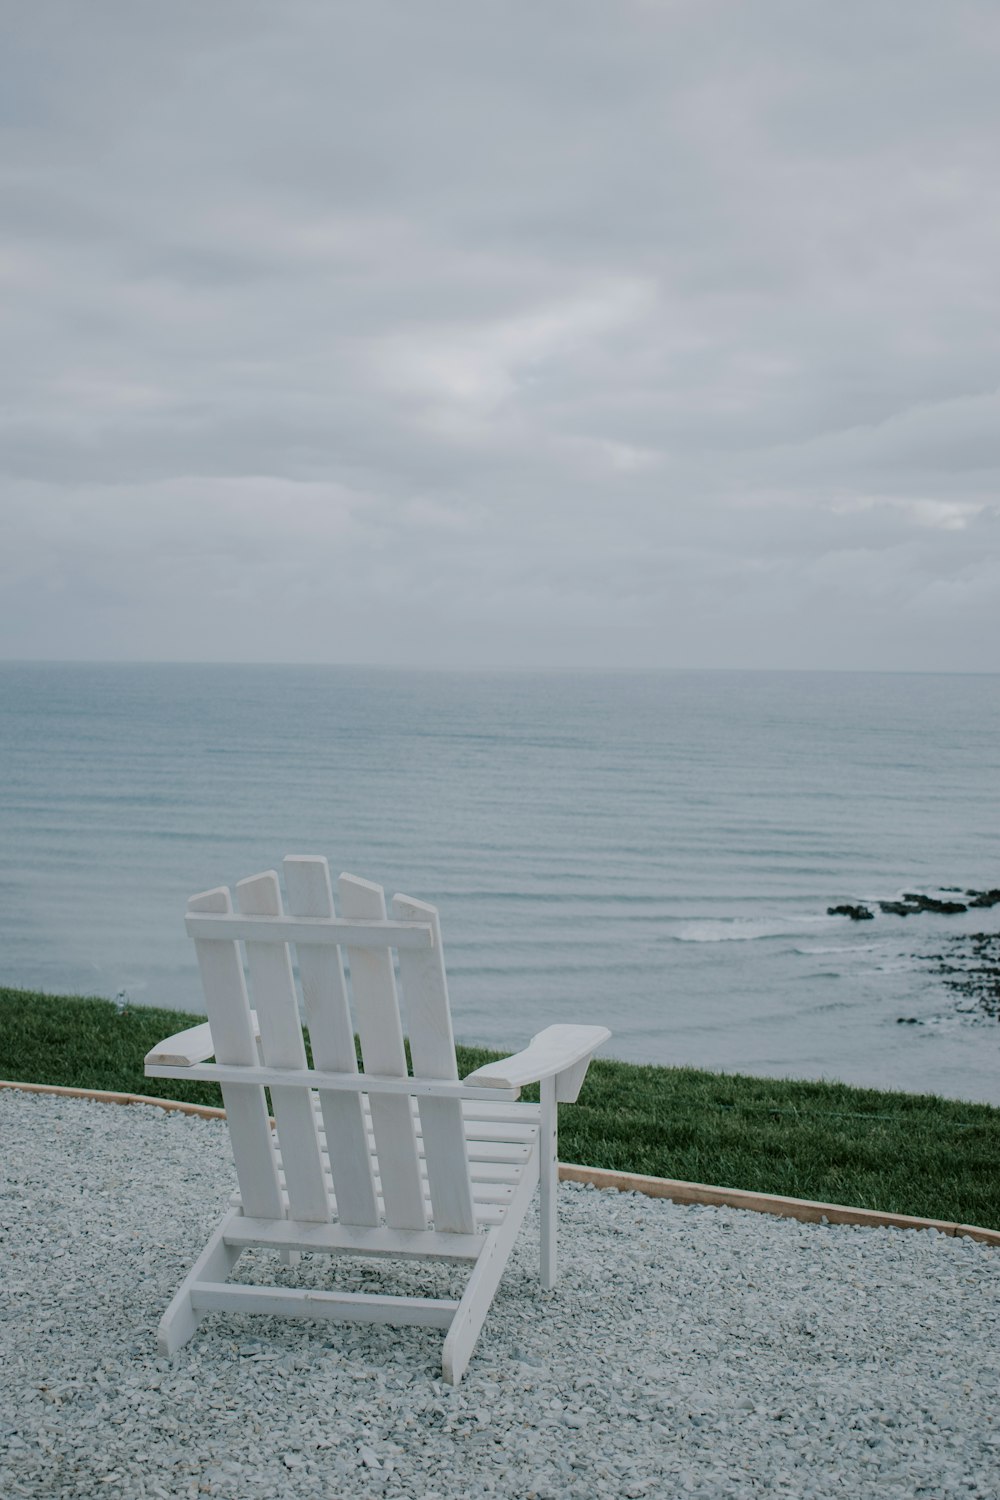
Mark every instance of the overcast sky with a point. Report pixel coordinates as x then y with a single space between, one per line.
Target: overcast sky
611 334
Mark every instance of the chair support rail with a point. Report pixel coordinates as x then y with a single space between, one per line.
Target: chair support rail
311 1078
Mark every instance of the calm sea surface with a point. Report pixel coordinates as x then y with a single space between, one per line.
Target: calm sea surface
653 851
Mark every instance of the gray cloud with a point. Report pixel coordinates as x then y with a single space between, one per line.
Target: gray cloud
641 334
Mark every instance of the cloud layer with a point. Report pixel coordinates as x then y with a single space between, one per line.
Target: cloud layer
577 334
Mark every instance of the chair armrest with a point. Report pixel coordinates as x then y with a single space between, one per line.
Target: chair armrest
185 1049
556 1051
190 1047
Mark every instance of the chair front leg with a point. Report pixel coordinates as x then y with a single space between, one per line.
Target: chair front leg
214 1263
548 1181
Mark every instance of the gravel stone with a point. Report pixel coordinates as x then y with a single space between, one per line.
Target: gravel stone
690 1351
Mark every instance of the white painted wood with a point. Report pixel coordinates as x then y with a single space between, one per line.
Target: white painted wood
373 1143
233 1035
493 1105
273 988
339 1307
350 1239
498 1107
376 934
548 1146
491 1180
214 1263
432 1048
486 1151
191 1046
482 1191
484 1280
328 1016
495 1171
554 1050
375 1084
491 1161
513 1127
486 1213
504 1170
376 1010
570 1081
485 1191
499 1130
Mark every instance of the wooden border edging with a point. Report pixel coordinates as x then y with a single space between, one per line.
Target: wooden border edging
624 1182
108 1096
765 1203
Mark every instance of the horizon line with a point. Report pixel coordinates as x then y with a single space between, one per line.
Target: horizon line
489 669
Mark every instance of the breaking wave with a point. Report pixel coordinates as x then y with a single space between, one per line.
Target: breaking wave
742 929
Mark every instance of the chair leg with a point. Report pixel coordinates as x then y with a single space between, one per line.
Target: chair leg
214 1263
548 1182
482 1284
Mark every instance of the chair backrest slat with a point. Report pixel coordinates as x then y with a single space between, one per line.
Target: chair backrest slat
376 1008
272 986
228 1009
432 1047
328 1016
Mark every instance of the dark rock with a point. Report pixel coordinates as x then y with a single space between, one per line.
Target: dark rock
917 902
913 902
856 913
984 898
907 1021
970 966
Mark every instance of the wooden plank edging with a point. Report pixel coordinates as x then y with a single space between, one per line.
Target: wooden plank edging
623 1182
108 1096
765 1203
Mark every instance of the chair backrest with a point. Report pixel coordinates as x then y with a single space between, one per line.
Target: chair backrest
388 1161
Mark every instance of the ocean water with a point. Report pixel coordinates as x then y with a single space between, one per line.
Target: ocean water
654 851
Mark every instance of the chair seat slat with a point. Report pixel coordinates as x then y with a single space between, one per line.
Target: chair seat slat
476 1111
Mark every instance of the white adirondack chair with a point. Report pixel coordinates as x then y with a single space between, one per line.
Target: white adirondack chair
380 1162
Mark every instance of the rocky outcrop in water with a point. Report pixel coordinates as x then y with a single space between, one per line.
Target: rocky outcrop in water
970 965
968 962
915 901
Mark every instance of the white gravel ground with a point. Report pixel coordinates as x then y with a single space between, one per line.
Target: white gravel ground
686 1351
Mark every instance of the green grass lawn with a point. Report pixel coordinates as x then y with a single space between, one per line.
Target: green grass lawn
901 1153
